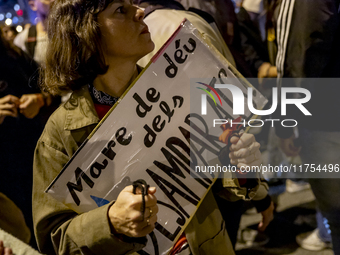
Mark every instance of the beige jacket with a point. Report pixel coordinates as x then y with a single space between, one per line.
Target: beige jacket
59 230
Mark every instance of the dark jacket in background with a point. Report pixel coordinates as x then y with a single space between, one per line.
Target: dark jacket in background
253 48
312 51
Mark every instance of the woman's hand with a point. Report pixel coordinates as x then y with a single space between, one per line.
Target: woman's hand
8 107
288 147
30 105
267 217
266 70
4 250
125 214
245 151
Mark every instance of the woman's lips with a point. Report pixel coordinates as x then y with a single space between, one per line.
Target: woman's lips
145 30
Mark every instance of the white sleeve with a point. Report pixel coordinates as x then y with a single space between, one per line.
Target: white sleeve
21 38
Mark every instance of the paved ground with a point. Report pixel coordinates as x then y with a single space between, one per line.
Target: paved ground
295 215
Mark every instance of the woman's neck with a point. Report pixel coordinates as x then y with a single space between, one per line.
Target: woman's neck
117 79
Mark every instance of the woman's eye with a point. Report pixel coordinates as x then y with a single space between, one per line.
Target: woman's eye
121 9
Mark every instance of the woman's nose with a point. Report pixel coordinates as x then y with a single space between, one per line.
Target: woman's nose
139 14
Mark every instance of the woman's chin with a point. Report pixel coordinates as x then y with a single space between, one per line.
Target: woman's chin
150 47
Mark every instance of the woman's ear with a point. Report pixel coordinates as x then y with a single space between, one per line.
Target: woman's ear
32 4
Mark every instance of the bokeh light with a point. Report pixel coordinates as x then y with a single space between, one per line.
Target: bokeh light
19 28
15 20
8 22
16 7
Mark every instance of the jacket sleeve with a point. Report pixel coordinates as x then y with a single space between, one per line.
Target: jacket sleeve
309 45
308 39
262 200
229 188
12 219
254 50
60 230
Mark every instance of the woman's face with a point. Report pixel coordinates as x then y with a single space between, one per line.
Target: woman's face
42 7
124 35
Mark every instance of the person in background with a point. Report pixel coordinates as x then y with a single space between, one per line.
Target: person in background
20 125
252 26
12 220
172 13
308 36
33 39
9 33
15 245
223 13
14 233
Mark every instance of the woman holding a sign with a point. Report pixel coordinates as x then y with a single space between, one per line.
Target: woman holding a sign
93 50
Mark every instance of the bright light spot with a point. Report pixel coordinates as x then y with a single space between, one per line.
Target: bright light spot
15 20
8 22
8 15
19 29
2 16
16 7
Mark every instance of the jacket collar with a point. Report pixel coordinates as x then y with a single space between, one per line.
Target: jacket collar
80 110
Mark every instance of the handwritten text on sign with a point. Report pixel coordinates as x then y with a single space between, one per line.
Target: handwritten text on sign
148 136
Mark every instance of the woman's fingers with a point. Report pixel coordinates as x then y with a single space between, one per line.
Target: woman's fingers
1 247
10 111
142 228
252 160
30 105
245 152
243 141
126 215
150 211
150 222
10 99
150 199
8 251
8 107
5 250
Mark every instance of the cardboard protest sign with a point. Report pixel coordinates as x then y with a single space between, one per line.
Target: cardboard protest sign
147 136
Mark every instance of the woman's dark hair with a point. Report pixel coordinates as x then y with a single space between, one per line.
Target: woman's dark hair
74 57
